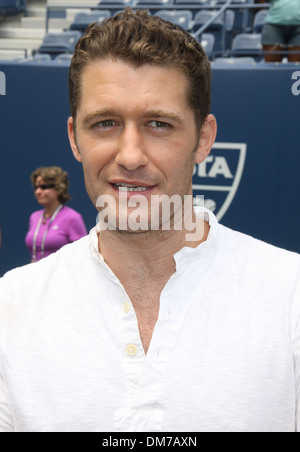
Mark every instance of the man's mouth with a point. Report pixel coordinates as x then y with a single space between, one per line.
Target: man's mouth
130 187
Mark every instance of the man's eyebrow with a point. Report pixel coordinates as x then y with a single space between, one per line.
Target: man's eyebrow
111 113
162 114
105 112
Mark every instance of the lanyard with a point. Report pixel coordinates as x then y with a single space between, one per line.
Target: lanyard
45 233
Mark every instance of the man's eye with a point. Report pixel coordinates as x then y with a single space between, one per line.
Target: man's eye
105 124
158 124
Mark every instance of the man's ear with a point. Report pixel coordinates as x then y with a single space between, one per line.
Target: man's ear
72 139
207 138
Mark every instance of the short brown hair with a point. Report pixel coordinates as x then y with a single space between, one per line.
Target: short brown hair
56 176
139 39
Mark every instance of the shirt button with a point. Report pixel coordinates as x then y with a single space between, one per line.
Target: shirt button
131 350
126 307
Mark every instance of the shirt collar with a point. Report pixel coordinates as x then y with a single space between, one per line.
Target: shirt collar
206 250
187 253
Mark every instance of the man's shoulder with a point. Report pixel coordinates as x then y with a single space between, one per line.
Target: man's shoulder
31 292
257 251
65 259
253 242
239 244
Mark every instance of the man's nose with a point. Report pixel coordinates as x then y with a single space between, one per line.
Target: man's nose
131 152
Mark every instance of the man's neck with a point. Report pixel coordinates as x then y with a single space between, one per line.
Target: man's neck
147 252
143 263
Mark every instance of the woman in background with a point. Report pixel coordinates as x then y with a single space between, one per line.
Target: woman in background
56 224
282 31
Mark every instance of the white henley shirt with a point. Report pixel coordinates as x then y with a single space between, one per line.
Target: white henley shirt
224 356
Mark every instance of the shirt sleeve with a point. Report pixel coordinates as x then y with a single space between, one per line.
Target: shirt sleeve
6 422
297 375
295 311
76 228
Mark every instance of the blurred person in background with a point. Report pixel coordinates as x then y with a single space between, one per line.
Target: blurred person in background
281 31
56 224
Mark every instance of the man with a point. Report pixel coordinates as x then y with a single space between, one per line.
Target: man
156 324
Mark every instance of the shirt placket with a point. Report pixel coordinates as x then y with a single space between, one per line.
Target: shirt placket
145 374
133 360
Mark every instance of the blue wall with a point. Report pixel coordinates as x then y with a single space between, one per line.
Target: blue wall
254 106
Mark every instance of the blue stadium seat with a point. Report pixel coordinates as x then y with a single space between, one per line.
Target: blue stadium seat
182 18
235 61
207 41
82 20
12 7
259 20
221 28
63 59
123 3
247 44
35 59
193 2
243 17
56 43
159 3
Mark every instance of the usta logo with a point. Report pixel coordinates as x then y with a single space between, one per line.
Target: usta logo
296 85
219 176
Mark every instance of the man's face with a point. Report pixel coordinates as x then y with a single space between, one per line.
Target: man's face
135 132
